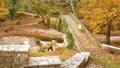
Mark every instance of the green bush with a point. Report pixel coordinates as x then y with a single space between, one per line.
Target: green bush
71 40
12 12
54 11
87 1
13 7
65 24
26 9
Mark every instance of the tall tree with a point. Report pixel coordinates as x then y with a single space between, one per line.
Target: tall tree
105 15
43 12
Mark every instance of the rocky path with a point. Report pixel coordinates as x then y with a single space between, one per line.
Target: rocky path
83 39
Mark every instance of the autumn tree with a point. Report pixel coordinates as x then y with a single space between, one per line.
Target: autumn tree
41 8
104 16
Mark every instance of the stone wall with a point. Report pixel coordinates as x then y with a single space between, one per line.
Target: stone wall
13 56
17 56
79 60
44 62
111 49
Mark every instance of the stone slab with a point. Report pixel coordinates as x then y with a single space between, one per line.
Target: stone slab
77 61
13 56
35 49
111 49
43 62
16 48
7 49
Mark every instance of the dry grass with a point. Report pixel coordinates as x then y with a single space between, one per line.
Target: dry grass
64 55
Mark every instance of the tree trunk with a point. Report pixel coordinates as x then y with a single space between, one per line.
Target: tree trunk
48 22
60 24
73 9
108 33
43 21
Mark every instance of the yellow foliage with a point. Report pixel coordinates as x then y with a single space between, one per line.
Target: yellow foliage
102 13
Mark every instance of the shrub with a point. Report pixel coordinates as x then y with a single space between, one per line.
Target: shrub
12 12
13 7
54 11
71 40
65 24
26 9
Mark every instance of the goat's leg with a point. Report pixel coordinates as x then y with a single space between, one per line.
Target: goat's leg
51 48
41 49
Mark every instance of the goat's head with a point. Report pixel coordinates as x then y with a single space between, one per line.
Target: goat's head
38 42
53 41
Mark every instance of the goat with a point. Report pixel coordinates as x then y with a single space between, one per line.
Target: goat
44 45
57 47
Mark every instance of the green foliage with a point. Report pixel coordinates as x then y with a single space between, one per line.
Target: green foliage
54 11
13 7
12 12
77 5
26 9
87 1
14 2
71 40
65 24
40 9
43 12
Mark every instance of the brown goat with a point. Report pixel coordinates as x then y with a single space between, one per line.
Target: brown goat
56 47
42 47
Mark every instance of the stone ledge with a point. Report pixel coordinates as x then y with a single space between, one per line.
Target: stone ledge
110 49
79 60
14 48
43 62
